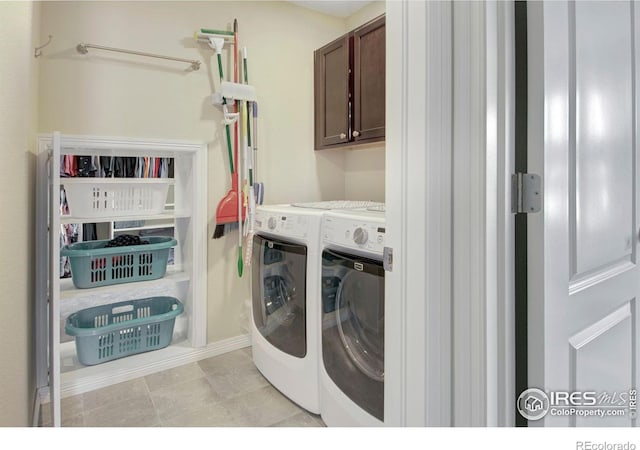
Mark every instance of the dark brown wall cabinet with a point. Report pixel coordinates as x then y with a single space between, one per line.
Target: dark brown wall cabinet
350 88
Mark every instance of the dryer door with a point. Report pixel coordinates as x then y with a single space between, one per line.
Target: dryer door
353 328
279 280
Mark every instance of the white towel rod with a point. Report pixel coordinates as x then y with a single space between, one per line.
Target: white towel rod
83 48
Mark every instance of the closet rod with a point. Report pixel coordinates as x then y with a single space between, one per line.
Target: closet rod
83 48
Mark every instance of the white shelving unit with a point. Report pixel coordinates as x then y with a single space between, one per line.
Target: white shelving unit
59 373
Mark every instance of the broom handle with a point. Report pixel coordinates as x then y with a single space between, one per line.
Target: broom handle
248 128
239 191
246 81
235 79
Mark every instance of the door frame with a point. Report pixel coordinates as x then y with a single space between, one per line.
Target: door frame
500 322
418 198
457 297
483 224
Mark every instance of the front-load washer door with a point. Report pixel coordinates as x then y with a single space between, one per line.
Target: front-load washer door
353 328
279 280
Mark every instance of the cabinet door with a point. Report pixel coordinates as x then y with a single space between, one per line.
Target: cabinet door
332 93
369 81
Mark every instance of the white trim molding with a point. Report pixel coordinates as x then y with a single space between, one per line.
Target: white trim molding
470 204
500 26
419 201
483 228
449 326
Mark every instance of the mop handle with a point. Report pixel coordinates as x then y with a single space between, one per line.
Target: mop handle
248 128
246 81
255 138
224 102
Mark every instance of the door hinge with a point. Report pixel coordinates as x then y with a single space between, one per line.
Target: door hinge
526 193
387 259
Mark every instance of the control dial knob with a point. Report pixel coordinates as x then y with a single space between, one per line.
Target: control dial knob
272 222
360 236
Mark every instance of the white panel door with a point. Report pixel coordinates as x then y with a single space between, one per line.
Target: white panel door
583 246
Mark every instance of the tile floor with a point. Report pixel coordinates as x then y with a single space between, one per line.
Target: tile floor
223 391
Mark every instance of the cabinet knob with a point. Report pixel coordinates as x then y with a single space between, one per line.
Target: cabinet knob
356 133
343 136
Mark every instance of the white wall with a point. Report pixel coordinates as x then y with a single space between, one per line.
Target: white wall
121 95
365 167
18 119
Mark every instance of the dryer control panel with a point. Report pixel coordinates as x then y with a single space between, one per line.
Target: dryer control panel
354 233
282 224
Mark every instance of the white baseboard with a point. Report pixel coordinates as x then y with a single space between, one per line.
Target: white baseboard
100 376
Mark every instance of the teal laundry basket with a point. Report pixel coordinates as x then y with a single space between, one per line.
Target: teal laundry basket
108 332
93 264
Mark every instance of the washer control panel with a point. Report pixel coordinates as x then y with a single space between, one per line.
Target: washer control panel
282 223
354 233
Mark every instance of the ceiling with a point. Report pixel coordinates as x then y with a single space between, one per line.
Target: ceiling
335 8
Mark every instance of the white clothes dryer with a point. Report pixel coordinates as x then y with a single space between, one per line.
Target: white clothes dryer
352 318
285 273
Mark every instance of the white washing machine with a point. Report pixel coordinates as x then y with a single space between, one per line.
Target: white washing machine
285 297
352 318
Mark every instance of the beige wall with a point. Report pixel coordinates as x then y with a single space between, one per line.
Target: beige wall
364 15
115 94
18 120
364 168
364 172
